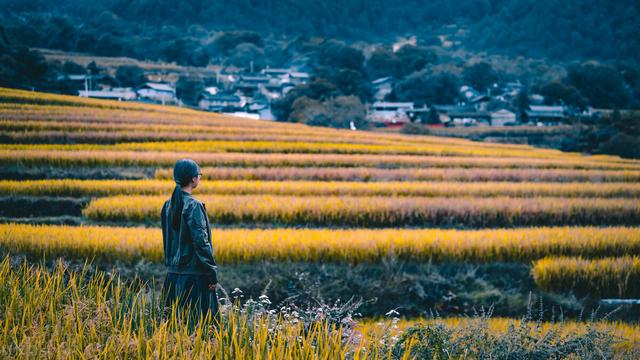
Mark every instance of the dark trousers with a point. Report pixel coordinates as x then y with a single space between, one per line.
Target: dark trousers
190 290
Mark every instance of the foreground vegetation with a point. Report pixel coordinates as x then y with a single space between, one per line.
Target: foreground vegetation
67 315
74 315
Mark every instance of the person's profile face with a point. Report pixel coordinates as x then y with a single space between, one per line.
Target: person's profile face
196 180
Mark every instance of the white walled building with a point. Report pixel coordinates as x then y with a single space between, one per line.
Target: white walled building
157 92
503 117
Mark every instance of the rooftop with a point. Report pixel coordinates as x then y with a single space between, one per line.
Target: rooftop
158 86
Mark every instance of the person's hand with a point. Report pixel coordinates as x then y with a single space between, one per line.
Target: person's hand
212 287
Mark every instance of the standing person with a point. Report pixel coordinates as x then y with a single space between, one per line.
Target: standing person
188 252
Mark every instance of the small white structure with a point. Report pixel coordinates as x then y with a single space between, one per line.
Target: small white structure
213 90
243 114
112 94
390 112
157 92
503 117
275 72
220 102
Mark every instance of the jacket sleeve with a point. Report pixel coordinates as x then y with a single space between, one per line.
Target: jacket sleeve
164 235
201 242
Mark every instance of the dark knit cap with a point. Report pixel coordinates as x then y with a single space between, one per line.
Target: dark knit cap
184 170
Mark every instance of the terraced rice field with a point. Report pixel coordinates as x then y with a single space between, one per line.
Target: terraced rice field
288 193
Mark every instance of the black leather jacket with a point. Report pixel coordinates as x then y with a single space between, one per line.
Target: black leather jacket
189 250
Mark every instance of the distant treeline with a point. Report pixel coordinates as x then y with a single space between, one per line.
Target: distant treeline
559 29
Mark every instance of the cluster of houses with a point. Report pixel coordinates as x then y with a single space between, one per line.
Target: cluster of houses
494 108
250 94
237 93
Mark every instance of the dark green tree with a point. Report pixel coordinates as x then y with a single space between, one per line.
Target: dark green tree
336 54
480 75
225 42
130 76
426 88
188 88
348 82
557 92
601 85
245 54
382 62
317 89
414 58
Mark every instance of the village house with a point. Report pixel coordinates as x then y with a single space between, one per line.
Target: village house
268 83
287 75
270 92
226 80
503 117
444 110
546 115
469 118
422 115
157 92
250 84
390 113
220 102
163 76
110 94
275 72
480 102
84 81
262 108
508 91
253 79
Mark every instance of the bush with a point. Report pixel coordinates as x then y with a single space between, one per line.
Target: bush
522 340
623 145
414 129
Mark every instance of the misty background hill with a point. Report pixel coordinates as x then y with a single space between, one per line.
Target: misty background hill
568 30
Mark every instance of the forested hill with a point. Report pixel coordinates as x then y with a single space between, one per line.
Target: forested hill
563 29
